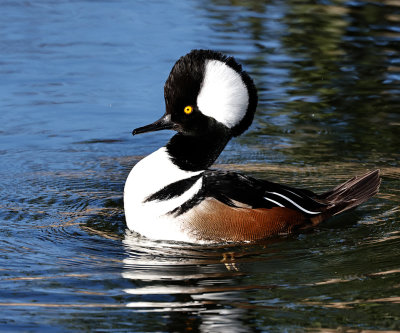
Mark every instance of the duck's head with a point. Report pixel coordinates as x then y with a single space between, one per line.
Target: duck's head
204 93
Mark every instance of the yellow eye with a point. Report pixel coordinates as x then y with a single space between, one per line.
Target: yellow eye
188 109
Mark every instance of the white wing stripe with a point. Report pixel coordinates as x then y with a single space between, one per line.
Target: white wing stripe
275 202
292 202
293 193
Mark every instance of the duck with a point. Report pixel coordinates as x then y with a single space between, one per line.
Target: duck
173 194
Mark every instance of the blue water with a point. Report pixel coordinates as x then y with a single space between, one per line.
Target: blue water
77 76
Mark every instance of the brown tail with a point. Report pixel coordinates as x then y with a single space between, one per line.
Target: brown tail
350 194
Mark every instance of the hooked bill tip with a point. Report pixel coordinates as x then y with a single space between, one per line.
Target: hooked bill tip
161 124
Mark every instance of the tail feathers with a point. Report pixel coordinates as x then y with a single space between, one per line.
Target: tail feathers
351 193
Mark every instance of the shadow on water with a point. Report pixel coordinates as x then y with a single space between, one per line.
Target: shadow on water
79 76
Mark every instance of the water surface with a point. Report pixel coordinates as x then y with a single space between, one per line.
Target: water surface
77 76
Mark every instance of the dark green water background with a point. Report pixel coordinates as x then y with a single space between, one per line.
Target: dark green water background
77 76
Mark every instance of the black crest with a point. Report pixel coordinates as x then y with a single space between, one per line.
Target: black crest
184 83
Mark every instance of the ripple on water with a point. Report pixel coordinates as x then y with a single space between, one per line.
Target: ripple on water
328 80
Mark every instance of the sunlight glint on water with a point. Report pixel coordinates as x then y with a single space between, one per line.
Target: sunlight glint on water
78 76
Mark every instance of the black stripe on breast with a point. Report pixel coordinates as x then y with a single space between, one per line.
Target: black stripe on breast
174 189
189 204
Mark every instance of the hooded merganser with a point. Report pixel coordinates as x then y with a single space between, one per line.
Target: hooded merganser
173 195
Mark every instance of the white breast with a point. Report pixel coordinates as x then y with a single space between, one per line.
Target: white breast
151 219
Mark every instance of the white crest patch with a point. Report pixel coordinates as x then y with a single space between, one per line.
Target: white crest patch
223 94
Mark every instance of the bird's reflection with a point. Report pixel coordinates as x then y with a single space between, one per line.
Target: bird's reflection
199 288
